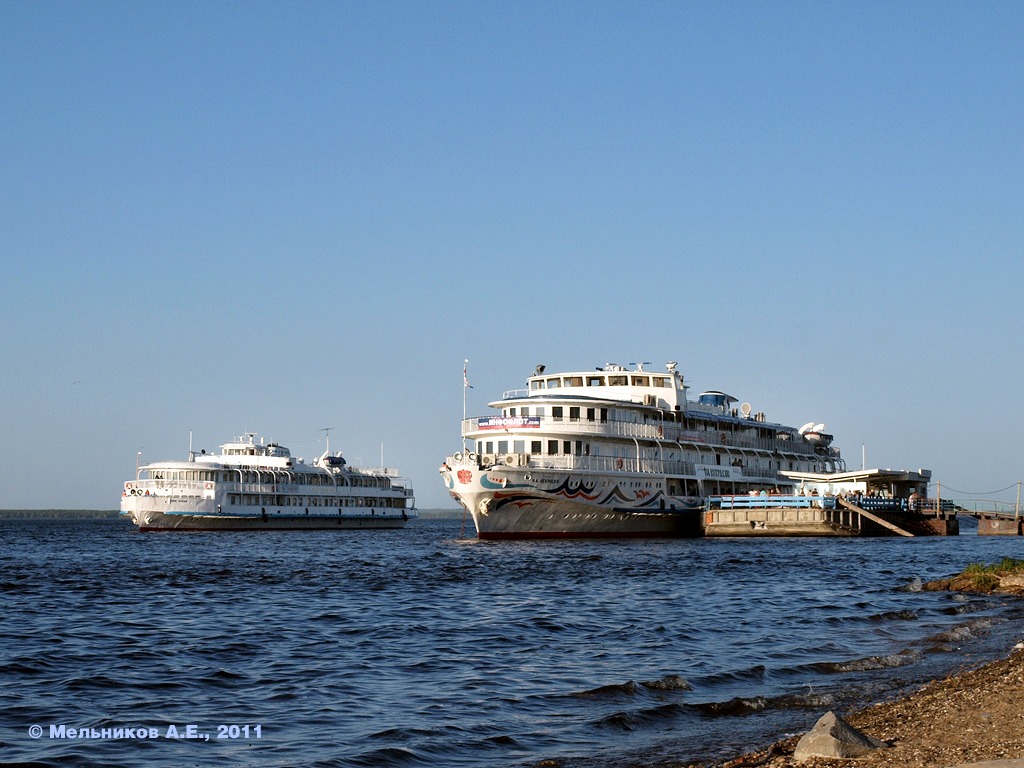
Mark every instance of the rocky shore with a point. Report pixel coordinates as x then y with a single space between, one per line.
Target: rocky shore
971 717
974 716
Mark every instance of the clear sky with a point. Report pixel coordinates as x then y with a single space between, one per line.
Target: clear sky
220 217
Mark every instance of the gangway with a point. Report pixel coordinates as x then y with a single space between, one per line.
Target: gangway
873 517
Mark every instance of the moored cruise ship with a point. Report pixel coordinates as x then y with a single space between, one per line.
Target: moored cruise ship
618 452
251 485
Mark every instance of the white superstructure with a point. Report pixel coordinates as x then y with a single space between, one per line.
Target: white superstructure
251 484
621 452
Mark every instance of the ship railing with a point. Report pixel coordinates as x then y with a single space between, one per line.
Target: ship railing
608 464
204 487
760 472
171 487
663 432
388 471
771 501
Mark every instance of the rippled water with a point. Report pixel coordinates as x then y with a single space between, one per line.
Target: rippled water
418 648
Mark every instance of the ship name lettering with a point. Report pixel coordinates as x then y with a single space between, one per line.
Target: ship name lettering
724 473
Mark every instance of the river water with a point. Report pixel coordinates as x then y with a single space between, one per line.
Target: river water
422 648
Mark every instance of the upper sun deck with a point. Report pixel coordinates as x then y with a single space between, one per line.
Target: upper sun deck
612 383
643 390
245 451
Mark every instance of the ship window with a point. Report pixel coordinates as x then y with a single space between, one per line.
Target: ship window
519 446
540 412
553 383
566 447
535 446
574 381
595 381
503 446
617 381
552 447
641 381
579 447
537 384
659 381
574 413
524 412
511 411
604 415
590 414
556 412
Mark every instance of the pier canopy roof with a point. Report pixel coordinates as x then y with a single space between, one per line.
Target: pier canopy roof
898 482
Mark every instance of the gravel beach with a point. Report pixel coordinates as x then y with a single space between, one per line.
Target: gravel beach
974 716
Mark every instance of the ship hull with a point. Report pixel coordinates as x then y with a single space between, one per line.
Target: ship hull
559 520
159 521
509 504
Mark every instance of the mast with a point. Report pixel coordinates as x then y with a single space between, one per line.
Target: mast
465 386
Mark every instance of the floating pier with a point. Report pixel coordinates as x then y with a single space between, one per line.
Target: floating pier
784 515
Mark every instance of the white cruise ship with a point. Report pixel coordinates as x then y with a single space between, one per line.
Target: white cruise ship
619 452
255 485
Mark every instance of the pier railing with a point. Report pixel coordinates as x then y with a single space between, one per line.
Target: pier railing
770 502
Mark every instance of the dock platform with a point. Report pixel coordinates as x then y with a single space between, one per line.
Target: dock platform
784 515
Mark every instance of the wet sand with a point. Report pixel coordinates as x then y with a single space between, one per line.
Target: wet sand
970 717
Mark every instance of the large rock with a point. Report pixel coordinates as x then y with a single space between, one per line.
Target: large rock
832 736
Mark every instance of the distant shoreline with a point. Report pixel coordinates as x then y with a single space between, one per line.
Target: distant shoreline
58 514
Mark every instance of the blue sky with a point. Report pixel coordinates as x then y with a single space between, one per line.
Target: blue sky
222 217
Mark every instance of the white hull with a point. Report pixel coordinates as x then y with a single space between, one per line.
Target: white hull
520 504
154 520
